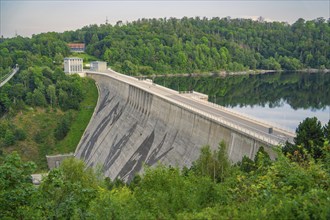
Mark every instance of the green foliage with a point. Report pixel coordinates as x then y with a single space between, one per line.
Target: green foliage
63 126
309 139
189 45
67 192
259 189
214 165
16 188
246 165
34 129
9 133
81 118
9 138
326 130
37 84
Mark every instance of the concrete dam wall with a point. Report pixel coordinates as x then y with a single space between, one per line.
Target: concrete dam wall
132 126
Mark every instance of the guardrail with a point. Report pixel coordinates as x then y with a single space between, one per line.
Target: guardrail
8 76
242 128
249 117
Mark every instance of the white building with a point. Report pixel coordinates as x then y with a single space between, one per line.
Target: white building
98 66
73 65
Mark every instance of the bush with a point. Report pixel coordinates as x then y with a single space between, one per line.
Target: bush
63 126
9 138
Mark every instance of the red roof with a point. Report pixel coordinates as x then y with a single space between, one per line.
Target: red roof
76 45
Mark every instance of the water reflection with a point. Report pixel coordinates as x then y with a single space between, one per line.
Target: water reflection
282 98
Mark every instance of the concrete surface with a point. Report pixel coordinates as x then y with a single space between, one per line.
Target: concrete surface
54 161
137 122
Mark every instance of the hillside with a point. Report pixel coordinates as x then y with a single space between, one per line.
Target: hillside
189 45
43 110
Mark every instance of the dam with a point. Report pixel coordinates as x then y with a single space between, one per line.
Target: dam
137 123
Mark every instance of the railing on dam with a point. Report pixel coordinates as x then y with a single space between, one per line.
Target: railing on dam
242 128
8 76
250 118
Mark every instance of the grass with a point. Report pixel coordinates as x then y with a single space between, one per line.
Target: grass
82 118
39 125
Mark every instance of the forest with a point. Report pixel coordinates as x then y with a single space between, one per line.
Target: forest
294 186
189 45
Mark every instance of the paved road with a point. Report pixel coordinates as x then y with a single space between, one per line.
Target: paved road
209 109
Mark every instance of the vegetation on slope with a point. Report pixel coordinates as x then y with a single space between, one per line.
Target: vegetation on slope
186 45
41 105
80 122
39 131
295 186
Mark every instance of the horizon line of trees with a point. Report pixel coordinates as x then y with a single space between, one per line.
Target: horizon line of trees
171 45
151 46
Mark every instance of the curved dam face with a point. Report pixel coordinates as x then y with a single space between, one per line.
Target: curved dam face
131 127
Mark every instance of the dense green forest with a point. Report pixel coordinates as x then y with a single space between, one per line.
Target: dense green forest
294 186
184 45
202 45
310 90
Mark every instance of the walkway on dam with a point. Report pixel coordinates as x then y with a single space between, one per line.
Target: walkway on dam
229 118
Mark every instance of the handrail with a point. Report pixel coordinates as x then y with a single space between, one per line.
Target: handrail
8 76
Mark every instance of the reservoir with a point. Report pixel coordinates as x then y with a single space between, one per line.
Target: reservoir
283 99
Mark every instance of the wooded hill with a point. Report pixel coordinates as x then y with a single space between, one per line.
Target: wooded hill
202 45
186 45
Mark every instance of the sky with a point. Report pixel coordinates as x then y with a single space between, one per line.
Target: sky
25 17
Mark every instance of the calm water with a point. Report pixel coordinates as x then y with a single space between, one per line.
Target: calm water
283 99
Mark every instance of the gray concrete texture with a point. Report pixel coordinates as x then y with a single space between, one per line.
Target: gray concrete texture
132 127
54 161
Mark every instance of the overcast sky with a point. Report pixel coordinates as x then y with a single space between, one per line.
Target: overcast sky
27 17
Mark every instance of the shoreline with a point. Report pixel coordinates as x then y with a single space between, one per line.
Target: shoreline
226 73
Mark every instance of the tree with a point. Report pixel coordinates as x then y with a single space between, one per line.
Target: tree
9 138
39 98
63 99
95 39
68 190
215 165
16 189
309 138
51 94
63 126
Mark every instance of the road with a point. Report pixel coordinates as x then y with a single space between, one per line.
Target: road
229 117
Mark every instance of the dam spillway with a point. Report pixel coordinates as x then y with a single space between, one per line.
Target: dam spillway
135 125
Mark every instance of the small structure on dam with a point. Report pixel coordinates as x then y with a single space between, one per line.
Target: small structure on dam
137 123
